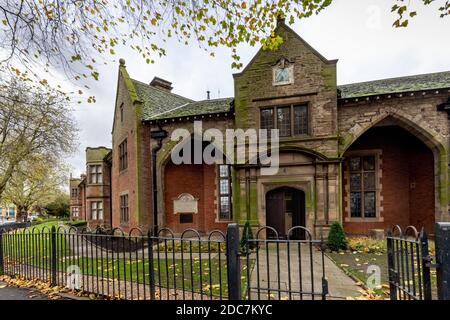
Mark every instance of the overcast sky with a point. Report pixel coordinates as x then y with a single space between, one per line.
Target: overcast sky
357 32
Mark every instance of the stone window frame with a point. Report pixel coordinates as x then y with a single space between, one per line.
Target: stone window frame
291 106
95 174
124 222
121 113
75 193
75 213
123 155
219 195
379 187
97 210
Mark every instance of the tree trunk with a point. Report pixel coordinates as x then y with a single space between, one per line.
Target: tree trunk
22 213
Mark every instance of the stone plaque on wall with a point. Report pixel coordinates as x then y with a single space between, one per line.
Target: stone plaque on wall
185 203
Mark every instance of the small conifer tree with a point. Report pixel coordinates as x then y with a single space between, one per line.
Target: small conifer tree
336 238
247 234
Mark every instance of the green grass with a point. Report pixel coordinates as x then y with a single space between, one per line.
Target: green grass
355 264
201 277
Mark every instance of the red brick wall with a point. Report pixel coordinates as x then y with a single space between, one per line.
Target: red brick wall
199 181
124 181
407 182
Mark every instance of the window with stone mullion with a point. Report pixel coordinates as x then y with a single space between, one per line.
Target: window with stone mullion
362 187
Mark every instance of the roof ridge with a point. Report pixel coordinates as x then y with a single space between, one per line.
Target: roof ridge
161 90
394 78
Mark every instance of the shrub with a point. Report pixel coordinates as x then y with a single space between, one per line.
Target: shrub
77 223
247 234
336 238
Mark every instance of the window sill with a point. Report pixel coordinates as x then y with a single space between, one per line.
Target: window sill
223 221
367 220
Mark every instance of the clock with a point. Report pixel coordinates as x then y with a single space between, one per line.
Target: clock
283 73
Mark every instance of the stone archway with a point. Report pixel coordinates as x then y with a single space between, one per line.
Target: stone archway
421 130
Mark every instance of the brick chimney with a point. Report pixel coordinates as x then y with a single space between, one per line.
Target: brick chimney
161 84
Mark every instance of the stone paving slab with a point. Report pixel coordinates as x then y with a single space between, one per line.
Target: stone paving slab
300 273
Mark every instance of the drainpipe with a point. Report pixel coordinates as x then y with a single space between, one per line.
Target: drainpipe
158 135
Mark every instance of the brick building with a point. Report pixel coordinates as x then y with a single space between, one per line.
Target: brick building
368 155
90 195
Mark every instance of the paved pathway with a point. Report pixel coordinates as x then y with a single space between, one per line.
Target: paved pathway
13 293
291 274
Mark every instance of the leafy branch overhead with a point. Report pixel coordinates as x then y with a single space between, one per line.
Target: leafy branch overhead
404 11
77 36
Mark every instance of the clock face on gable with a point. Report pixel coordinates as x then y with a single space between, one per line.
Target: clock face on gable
283 74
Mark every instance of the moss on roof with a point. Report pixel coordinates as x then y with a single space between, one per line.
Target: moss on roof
96 154
74 182
161 104
156 101
428 81
198 108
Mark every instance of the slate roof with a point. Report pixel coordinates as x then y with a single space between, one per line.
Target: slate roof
197 108
420 82
161 104
156 101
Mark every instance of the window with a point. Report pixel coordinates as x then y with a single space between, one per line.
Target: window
121 113
224 193
74 193
95 174
10 212
75 211
267 119
284 121
290 120
124 214
96 210
123 155
300 120
363 187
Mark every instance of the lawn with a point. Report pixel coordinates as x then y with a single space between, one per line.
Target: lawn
365 252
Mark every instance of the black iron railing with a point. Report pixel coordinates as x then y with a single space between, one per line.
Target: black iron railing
137 266
409 264
285 269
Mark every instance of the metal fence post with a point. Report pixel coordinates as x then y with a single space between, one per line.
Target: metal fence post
233 263
442 230
2 261
426 265
151 265
391 267
53 256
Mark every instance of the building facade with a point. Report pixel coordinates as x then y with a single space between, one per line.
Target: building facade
90 195
368 155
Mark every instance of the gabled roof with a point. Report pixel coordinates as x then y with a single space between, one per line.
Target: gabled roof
161 104
430 81
156 101
203 107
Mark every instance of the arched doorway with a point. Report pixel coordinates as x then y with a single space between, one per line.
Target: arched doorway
285 209
388 179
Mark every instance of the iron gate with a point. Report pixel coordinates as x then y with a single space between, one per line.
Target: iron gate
284 268
409 264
